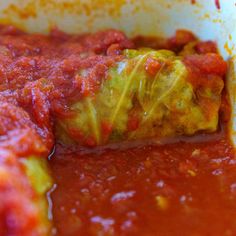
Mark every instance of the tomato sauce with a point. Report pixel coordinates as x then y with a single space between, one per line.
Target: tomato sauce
186 187
175 189
217 3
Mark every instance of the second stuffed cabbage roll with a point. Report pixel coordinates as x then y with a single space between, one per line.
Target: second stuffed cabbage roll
23 183
24 175
149 94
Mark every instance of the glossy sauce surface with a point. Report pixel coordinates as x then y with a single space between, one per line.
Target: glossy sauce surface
175 189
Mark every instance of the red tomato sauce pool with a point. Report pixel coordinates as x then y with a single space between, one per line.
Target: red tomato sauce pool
175 189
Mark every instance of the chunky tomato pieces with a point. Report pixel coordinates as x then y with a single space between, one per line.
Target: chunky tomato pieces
209 63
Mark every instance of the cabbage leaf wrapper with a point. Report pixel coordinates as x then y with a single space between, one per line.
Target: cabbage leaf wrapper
148 94
24 183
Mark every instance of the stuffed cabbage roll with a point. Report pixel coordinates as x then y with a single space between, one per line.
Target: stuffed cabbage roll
148 94
23 187
24 175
